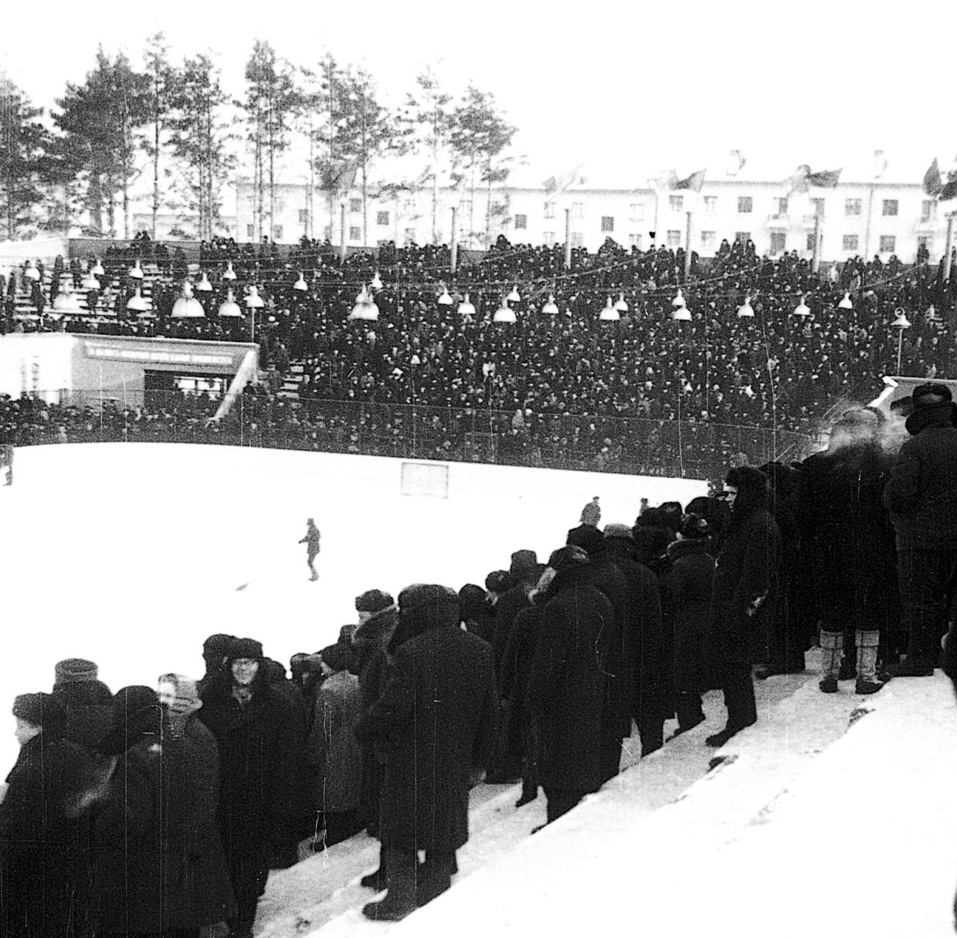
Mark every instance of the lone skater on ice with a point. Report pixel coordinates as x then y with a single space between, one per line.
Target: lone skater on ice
311 540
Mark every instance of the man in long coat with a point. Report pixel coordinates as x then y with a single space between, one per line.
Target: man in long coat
567 686
743 594
433 726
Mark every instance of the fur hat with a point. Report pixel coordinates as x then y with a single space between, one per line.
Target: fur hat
587 537
747 477
523 561
245 648
338 657
373 601
74 670
217 646
569 556
497 581
40 710
927 395
620 531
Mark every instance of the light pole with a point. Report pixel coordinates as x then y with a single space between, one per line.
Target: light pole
900 324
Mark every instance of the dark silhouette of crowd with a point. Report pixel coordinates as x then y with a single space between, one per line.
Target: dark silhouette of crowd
160 812
563 385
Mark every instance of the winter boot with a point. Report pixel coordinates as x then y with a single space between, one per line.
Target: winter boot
867 680
832 645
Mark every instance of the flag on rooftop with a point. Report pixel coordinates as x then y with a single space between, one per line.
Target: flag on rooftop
932 183
694 182
827 178
573 177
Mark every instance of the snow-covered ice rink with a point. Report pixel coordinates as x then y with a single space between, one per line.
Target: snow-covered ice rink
833 815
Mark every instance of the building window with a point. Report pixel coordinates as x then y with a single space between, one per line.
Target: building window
303 216
676 203
778 241
928 210
355 233
578 239
674 238
607 222
549 238
782 206
521 221
250 231
355 205
888 244
743 237
549 209
710 204
818 206
277 232
890 207
636 211
744 205
852 206
578 209
708 240
634 241
382 218
849 243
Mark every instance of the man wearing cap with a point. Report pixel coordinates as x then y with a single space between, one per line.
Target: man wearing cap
433 726
921 496
44 828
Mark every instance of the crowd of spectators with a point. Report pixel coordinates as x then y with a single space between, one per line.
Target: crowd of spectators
566 381
538 676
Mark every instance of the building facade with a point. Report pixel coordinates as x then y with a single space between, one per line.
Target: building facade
871 211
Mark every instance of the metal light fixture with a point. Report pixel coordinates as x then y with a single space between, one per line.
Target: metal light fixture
550 308
445 299
801 309
66 301
229 273
31 272
466 309
204 286
229 307
504 313
301 284
365 308
747 310
609 313
136 303
901 322
681 314
679 300
254 300
376 282
513 297
90 282
846 302
97 268
136 272
187 306
621 305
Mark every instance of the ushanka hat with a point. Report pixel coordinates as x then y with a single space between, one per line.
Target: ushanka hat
74 670
373 601
245 648
39 710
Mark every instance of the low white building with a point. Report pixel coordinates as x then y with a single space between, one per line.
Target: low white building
878 207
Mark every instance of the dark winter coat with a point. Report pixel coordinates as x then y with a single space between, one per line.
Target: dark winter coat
369 641
434 723
745 582
332 745
693 568
257 752
849 537
921 493
512 602
89 711
645 671
44 839
567 688
158 862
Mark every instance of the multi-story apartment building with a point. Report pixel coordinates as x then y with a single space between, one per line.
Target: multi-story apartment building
876 208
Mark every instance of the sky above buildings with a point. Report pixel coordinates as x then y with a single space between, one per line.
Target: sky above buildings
622 87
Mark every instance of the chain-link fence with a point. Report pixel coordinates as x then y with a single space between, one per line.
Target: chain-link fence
687 449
